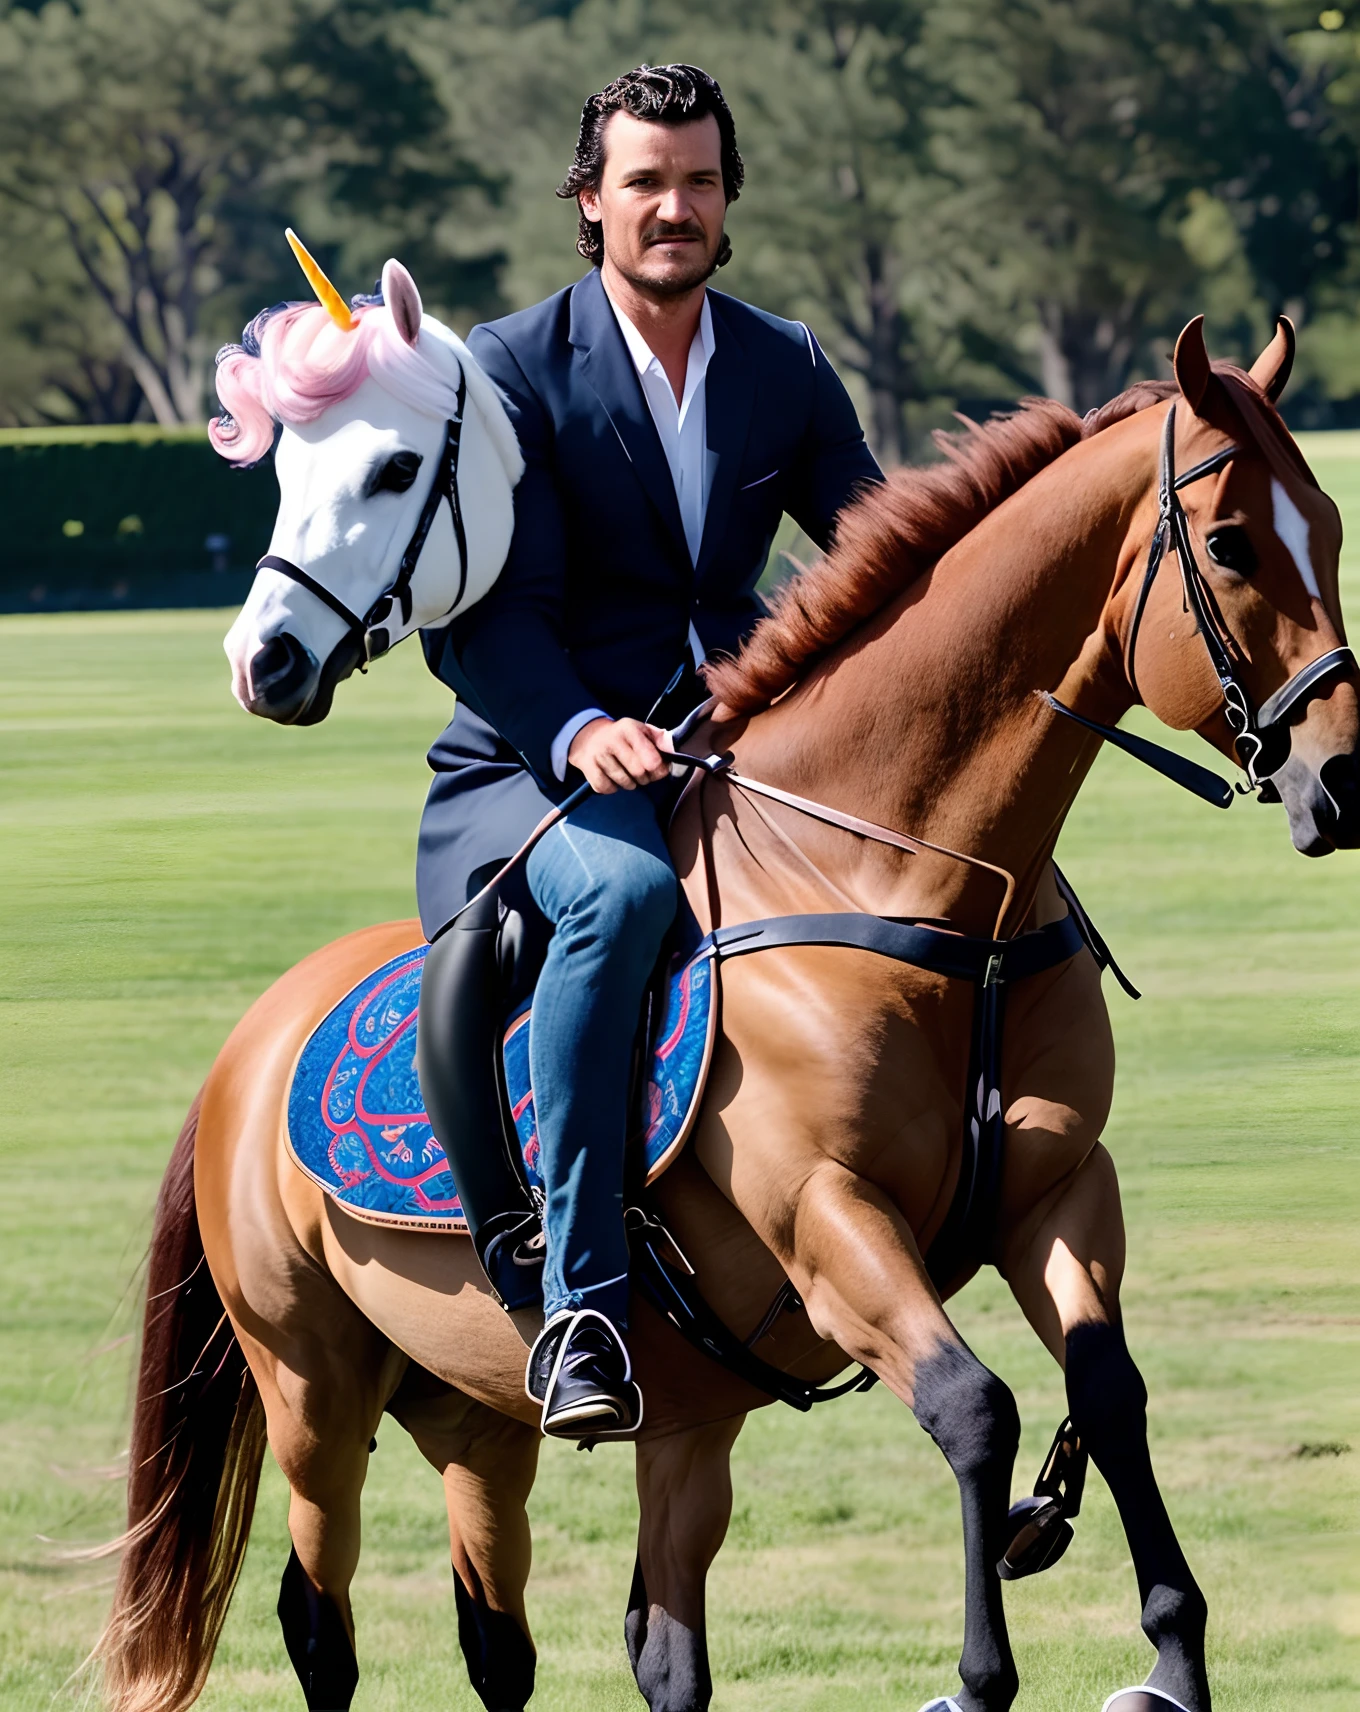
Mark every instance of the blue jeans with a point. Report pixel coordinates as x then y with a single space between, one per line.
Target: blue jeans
604 879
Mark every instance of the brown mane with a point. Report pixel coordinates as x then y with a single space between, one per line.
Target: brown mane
894 532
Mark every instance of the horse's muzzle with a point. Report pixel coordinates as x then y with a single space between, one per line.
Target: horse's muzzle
288 686
283 680
1323 805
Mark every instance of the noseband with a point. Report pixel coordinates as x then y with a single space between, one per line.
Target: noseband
1259 734
372 630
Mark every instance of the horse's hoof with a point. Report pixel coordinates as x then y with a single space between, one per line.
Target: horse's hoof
947 1704
1142 1700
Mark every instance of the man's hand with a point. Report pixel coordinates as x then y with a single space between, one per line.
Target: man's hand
618 754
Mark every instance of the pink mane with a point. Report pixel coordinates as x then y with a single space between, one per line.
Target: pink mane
306 365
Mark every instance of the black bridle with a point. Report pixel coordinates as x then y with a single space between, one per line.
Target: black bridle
371 631
1260 734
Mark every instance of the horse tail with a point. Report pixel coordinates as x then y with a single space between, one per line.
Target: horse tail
198 1439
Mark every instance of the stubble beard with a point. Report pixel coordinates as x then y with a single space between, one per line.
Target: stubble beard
675 284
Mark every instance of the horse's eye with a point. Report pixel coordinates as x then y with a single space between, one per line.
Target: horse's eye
1230 546
397 474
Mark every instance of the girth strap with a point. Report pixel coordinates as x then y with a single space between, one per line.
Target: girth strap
990 965
958 955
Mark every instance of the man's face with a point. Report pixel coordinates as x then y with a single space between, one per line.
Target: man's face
660 202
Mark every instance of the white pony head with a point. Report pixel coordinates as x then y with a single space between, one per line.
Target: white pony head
361 399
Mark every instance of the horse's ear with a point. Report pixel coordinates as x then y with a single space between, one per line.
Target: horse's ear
1271 369
1204 391
1191 364
402 298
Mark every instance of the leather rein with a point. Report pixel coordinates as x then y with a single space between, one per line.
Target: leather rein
373 631
1260 734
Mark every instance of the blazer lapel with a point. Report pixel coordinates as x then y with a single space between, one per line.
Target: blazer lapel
729 396
607 366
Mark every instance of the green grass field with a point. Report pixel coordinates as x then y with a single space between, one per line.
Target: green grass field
163 857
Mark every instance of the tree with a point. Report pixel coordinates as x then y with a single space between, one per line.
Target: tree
382 159
833 105
964 198
1081 135
120 134
59 357
156 142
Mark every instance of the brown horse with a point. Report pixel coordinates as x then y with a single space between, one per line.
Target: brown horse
899 682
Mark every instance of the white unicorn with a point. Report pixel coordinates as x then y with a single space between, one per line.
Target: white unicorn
397 466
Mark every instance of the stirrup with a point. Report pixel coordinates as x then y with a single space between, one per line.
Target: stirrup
1040 1527
946 1703
582 1426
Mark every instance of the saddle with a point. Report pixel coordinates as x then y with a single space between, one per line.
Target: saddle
365 1122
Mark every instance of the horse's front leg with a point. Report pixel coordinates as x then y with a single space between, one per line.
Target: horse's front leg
854 1261
1064 1265
685 1500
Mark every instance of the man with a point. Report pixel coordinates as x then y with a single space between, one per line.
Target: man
665 429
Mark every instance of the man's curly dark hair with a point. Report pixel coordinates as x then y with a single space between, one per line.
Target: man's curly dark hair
664 95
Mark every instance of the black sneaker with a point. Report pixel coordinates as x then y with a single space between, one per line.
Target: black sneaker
543 1356
589 1390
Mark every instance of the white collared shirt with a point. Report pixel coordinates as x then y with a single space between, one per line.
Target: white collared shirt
683 427
683 430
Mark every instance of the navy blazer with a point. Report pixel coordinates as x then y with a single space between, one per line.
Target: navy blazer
594 604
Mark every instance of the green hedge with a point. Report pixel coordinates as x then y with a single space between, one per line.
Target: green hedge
109 509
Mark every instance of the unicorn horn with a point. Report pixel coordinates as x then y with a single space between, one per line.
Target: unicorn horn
328 297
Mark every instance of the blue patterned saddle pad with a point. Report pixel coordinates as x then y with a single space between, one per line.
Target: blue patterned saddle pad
357 1123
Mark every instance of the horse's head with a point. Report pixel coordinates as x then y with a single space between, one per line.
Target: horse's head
1220 635
396 464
